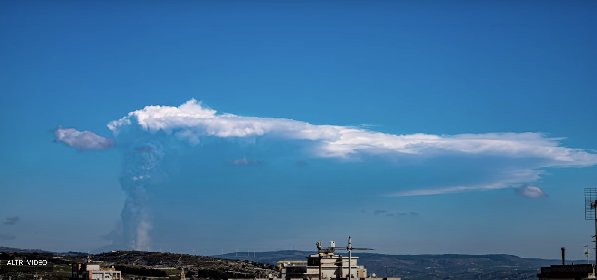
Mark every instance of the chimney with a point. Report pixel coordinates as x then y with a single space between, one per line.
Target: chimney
563 255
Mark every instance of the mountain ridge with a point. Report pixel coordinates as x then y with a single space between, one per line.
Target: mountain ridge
426 266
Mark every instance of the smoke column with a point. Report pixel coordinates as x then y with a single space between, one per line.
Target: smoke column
140 168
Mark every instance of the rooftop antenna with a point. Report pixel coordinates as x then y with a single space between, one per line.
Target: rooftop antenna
349 248
591 213
321 251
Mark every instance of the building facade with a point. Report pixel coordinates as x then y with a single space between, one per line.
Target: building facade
94 272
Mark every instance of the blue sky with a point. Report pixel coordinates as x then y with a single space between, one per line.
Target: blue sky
458 72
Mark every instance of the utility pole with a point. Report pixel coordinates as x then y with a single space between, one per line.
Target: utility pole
349 248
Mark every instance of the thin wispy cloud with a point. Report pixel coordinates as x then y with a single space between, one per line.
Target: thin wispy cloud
447 190
244 161
510 178
388 213
11 221
380 212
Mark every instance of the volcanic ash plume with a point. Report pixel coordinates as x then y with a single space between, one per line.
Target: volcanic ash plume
145 135
141 164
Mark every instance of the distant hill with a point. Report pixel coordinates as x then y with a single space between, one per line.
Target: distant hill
136 264
450 266
17 250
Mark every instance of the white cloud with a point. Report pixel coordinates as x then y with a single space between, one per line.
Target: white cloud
192 120
82 140
525 154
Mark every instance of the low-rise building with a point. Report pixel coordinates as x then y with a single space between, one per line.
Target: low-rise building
325 265
566 272
90 271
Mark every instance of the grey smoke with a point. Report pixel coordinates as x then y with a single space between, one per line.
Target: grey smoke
139 171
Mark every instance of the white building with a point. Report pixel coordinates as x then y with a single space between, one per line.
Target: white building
94 272
328 265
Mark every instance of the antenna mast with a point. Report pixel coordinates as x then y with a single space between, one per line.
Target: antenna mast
349 248
591 213
329 251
